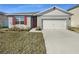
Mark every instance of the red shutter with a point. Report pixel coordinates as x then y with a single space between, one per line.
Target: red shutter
14 20
25 20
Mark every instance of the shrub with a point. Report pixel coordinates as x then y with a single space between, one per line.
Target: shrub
38 28
14 28
27 29
0 26
5 27
19 29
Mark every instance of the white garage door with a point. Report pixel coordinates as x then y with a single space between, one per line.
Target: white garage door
54 24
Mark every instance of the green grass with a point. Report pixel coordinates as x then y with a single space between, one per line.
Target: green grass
15 42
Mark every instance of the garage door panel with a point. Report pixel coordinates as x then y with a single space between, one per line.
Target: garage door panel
54 24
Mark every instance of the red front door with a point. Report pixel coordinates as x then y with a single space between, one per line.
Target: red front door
34 21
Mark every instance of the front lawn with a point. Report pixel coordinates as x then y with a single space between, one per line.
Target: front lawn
15 42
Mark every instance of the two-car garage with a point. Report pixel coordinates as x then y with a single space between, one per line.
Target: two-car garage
54 24
54 18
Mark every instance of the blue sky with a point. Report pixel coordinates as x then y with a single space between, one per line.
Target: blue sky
11 8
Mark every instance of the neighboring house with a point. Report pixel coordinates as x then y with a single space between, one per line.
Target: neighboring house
3 19
75 16
52 18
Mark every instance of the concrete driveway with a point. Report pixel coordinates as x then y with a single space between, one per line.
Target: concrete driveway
61 41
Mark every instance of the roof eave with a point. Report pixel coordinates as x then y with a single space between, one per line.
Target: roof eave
19 14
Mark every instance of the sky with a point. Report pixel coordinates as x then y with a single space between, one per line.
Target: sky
13 8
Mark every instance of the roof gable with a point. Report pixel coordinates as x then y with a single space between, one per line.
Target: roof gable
54 10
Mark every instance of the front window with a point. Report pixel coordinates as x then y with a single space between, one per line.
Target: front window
19 19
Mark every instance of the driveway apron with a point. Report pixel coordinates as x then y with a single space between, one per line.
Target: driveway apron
61 41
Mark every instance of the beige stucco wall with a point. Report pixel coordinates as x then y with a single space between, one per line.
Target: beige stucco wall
74 11
10 22
39 21
56 14
75 20
28 22
75 17
20 25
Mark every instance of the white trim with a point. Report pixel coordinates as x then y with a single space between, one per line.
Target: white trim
10 22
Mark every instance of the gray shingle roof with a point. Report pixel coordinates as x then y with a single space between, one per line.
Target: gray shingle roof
73 7
22 13
2 13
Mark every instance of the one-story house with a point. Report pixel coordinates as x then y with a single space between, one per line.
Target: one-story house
75 17
51 18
